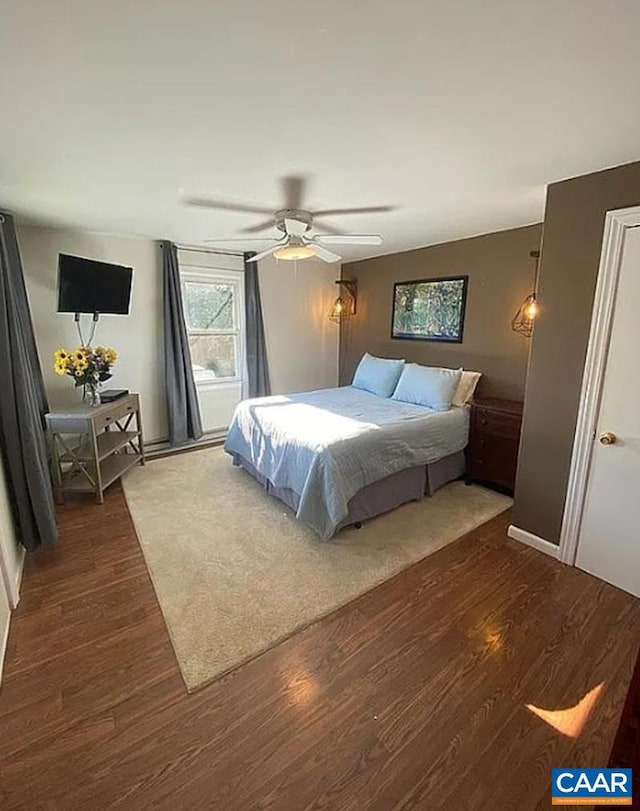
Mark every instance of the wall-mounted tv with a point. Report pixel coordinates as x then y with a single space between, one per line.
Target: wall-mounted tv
89 286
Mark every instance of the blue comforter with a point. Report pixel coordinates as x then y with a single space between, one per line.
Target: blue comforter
327 445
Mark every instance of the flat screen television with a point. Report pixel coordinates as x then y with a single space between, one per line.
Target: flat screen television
88 286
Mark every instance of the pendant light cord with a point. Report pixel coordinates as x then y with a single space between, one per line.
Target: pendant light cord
536 256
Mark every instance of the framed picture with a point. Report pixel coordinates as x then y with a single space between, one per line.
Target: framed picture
429 309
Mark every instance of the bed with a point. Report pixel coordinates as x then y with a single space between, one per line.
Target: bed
339 456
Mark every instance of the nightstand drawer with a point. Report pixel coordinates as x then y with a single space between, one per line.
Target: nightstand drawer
493 459
496 423
492 452
116 412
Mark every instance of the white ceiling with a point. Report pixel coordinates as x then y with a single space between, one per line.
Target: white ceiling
456 112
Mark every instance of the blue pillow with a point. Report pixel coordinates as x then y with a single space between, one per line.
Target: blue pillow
427 386
377 375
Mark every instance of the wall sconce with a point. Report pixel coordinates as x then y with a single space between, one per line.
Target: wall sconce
345 305
524 320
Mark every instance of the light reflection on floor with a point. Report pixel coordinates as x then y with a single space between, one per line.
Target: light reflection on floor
570 721
300 683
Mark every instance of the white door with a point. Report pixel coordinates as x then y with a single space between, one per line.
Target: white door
609 539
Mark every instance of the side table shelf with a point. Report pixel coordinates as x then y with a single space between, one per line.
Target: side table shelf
93 447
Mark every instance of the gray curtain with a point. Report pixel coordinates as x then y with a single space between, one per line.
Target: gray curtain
23 404
183 411
257 363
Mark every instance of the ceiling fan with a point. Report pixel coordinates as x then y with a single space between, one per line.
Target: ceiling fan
295 224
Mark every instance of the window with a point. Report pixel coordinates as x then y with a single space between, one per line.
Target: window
213 307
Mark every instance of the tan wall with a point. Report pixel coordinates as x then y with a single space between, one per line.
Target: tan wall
573 230
138 338
302 344
500 274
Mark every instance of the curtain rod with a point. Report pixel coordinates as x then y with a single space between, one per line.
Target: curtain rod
196 249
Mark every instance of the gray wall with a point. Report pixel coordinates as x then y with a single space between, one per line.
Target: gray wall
500 275
573 229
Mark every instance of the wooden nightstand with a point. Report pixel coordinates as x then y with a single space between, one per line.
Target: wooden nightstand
492 452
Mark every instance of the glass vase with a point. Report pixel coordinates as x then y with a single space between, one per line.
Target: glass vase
91 394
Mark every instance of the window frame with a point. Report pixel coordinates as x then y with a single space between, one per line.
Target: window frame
211 275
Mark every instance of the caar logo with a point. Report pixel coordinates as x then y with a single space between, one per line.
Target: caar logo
591 786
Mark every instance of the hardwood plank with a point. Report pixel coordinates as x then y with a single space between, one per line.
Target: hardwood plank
412 696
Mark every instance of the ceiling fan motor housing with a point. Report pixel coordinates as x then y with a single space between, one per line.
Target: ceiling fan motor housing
293 214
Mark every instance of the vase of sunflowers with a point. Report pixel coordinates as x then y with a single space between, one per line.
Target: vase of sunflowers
88 367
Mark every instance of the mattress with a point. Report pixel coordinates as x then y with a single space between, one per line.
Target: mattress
328 445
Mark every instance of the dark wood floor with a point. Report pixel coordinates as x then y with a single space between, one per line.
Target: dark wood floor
413 696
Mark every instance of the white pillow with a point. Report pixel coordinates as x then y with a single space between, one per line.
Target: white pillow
377 375
427 386
466 388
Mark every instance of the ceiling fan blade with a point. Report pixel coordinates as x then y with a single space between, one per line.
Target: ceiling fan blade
318 225
262 255
261 226
325 254
330 212
293 190
295 228
349 239
225 205
243 239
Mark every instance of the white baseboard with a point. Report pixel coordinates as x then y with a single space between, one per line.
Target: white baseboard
161 447
13 579
534 541
4 633
13 597
18 578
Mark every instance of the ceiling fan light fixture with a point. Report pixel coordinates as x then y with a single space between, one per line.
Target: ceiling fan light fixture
292 252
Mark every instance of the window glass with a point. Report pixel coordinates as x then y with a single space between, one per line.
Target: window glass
211 308
213 356
209 305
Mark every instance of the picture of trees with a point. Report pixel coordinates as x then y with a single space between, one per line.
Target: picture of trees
430 309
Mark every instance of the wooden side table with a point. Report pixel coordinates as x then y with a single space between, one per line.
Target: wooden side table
492 452
93 447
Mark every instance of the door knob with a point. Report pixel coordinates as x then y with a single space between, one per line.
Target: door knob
608 438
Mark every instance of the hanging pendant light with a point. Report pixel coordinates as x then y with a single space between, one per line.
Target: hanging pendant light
337 312
344 307
524 320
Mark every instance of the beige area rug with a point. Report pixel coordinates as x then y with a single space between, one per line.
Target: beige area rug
234 571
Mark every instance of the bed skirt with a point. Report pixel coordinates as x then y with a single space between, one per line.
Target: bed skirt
411 484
